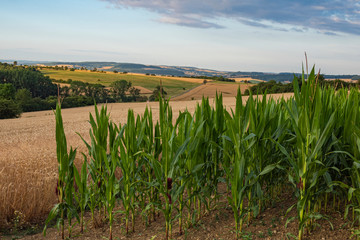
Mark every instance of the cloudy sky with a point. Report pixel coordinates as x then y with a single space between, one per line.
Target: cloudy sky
232 35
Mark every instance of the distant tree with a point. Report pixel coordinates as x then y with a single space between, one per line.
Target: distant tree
15 63
158 91
65 91
115 71
119 89
23 97
7 91
29 78
78 88
135 93
9 109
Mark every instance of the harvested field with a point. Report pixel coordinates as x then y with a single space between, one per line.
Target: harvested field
210 89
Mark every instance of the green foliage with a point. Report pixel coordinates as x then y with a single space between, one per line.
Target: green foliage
277 87
7 91
173 86
119 89
308 144
270 87
65 185
29 78
9 109
158 92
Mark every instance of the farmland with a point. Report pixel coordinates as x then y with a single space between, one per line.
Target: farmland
28 154
172 168
173 85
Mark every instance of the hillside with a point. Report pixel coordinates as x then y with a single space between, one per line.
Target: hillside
173 85
180 71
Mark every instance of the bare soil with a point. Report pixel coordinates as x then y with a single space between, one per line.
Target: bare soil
215 224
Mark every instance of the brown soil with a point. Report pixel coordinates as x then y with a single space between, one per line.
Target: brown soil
215 224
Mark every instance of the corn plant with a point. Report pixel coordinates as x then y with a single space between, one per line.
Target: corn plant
82 197
128 165
65 184
312 127
112 187
97 150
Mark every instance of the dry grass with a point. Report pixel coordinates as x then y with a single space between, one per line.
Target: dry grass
28 165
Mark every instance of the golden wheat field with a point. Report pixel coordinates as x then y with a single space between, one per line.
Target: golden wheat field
28 165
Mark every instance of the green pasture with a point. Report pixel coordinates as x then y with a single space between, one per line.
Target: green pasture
172 86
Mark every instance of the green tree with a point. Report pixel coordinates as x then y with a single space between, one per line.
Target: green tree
119 89
78 88
9 109
135 93
158 91
7 91
27 77
65 91
24 99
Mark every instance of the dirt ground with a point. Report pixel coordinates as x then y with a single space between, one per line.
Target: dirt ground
215 224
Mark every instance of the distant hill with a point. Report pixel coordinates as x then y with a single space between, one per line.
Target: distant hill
180 71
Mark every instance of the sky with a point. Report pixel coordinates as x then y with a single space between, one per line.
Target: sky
228 35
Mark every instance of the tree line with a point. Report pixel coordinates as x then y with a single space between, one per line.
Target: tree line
26 89
278 87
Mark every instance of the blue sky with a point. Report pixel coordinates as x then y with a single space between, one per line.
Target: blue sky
231 35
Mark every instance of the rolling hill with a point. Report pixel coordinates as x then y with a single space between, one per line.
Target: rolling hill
180 71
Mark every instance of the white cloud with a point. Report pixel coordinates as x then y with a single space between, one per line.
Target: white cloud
322 15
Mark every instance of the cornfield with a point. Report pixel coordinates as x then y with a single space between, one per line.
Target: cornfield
174 167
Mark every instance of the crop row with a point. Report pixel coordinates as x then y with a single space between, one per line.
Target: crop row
173 167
